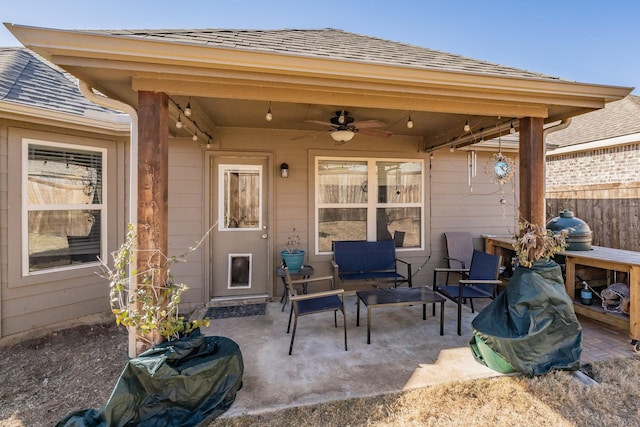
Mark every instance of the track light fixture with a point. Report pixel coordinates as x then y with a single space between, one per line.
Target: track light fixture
269 115
409 122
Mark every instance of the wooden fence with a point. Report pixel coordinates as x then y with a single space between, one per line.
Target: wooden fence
611 211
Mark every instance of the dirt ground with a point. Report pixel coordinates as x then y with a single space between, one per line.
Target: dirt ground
44 379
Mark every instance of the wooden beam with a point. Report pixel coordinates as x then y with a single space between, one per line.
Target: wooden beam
153 177
532 170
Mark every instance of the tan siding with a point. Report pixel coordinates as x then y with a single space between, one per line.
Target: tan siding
186 208
457 207
49 298
53 314
4 188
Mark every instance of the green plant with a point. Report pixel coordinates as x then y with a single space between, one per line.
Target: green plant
139 304
536 242
293 242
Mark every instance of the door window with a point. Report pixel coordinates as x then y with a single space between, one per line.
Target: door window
240 193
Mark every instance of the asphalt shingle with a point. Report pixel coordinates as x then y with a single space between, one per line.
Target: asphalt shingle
331 44
618 118
28 79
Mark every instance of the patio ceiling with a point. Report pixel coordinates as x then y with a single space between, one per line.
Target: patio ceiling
230 87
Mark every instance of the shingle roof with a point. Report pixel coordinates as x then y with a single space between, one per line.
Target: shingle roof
330 44
618 118
28 79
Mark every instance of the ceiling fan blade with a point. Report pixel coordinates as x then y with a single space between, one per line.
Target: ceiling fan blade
378 133
318 122
364 124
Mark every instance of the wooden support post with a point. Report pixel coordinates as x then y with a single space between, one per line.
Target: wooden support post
153 180
532 170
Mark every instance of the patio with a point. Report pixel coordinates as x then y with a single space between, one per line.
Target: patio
405 352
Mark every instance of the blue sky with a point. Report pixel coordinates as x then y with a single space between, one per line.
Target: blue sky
590 42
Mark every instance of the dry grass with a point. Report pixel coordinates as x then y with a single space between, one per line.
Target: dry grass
556 399
43 380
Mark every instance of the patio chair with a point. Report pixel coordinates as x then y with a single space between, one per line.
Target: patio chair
311 303
482 282
459 251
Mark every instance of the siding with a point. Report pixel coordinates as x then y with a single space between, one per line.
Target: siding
49 298
186 224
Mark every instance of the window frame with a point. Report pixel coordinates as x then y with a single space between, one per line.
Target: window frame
372 203
26 207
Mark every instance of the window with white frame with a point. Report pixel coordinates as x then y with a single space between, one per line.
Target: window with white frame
63 207
369 199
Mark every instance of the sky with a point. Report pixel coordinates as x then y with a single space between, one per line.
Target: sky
584 41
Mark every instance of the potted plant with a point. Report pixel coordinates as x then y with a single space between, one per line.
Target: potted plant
292 255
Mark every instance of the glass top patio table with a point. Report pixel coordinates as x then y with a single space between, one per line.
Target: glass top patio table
398 297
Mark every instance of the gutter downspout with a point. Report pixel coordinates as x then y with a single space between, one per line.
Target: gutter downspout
560 126
114 104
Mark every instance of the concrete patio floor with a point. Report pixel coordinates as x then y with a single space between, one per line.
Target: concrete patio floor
405 352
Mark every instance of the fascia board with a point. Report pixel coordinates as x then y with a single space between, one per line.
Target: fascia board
43 116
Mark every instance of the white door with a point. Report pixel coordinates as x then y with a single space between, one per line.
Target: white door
240 240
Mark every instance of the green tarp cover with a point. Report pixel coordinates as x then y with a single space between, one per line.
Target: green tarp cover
186 382
532 324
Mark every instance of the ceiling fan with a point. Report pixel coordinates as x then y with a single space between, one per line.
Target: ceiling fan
343 127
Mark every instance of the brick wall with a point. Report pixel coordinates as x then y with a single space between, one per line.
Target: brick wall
609 165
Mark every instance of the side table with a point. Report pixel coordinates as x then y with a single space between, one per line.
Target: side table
305 272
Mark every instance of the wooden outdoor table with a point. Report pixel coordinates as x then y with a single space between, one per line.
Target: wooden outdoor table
598 257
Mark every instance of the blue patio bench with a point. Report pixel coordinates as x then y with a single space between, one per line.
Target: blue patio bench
362 260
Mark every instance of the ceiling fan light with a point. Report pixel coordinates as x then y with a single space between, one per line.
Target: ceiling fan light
342 135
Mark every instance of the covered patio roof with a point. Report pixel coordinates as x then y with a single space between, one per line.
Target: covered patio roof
231 77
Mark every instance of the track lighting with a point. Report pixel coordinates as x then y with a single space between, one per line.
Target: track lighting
269 115
467 128
187 109
409 122
179 122
512 130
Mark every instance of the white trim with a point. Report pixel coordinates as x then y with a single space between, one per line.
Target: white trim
222 168
229 270
372 203
26 207
594 145
119 123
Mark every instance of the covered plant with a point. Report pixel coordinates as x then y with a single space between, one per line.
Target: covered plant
536 242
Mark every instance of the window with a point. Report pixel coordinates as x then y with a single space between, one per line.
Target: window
348 207
62 205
